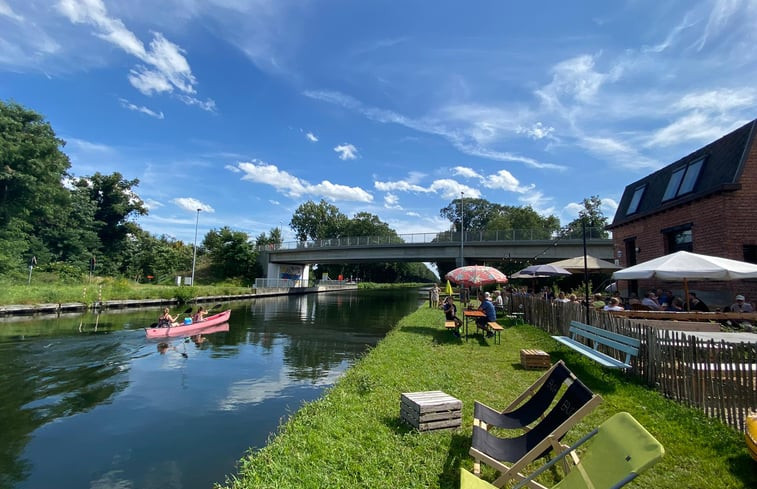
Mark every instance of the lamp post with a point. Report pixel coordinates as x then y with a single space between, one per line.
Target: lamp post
462 228
194 251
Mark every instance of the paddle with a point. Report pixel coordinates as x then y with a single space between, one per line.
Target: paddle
154 325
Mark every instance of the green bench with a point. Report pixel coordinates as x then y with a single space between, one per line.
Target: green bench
596 337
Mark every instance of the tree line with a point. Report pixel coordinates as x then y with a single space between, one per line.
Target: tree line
71 226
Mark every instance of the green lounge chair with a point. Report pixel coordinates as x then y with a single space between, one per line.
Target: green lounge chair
616 452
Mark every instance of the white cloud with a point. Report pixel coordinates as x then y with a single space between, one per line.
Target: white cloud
7 11
536 131
140 108
463 139
152 204
346 151
163 68
311 137
501 180
695 126
208 105
391 201
232 168
286 183
192 204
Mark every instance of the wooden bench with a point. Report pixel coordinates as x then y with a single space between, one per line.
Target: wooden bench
496 329
597 336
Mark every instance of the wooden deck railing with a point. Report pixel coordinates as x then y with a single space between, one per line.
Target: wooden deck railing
718 377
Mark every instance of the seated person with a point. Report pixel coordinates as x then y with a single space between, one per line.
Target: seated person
199 315
697 305
651 301
491 315
497 301
166 320
450 311
740 305
598 302
561 297
676 305
614 305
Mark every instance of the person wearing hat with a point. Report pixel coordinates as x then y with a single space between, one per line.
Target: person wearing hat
491 314
740 305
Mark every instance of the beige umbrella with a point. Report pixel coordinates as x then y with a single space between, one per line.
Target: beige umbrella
593 264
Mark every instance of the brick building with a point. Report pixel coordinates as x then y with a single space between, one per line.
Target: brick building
705 203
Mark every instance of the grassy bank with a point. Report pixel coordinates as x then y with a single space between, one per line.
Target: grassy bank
353 437
106 289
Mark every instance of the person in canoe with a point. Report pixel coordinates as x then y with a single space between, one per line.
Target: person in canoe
166 320
199 315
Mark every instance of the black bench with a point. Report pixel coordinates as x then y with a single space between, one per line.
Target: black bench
597 336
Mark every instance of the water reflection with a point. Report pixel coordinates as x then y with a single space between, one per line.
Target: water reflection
91 398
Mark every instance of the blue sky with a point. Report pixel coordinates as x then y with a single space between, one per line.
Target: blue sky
247 109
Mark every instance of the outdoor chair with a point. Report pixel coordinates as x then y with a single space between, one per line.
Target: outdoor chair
576 402
615 453
537 397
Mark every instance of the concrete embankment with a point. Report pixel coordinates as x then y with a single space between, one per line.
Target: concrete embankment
66 307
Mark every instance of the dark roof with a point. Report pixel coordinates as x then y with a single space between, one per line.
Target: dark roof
723 163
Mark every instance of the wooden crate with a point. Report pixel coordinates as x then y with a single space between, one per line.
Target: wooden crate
532 359
431 410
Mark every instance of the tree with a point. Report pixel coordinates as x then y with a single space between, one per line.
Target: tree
231 254
115 203
475 214
32 195
592 217
272 239
317 221
31 165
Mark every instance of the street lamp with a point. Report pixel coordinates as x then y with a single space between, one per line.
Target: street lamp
194 252
462 228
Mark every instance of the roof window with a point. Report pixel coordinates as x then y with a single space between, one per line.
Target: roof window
633 206
683 179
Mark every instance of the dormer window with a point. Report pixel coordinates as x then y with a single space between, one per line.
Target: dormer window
633 206
683 179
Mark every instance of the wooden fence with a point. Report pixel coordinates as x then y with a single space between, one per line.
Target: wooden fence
717 377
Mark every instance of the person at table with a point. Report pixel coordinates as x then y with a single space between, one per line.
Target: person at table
450 311
561 297
491 315
650 300
740 305
676 305
498 302
598 303
614 305
695 304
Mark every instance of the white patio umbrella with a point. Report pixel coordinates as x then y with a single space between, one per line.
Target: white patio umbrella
685 266
593 264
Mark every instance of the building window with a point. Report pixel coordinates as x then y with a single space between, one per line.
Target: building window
634 205
683 179
750 253
678 238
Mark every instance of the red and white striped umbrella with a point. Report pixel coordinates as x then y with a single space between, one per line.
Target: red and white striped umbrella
476 276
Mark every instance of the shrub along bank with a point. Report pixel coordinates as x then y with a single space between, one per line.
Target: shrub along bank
353 436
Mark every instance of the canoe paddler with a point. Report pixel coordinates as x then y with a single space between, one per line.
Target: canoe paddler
166 320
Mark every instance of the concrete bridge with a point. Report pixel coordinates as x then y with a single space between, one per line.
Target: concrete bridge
477 247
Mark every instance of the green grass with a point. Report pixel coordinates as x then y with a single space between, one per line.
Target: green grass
353 437
107 289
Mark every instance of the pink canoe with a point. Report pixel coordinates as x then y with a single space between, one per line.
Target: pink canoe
189 329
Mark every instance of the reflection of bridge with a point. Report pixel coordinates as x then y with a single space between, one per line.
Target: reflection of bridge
488 246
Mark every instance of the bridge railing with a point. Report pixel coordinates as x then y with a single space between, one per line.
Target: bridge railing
440 237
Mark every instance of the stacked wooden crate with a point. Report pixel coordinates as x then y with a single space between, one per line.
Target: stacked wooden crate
533 359
431 410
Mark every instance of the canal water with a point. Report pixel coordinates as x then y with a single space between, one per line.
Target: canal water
89 402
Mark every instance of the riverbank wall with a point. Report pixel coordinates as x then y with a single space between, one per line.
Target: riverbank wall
68 307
